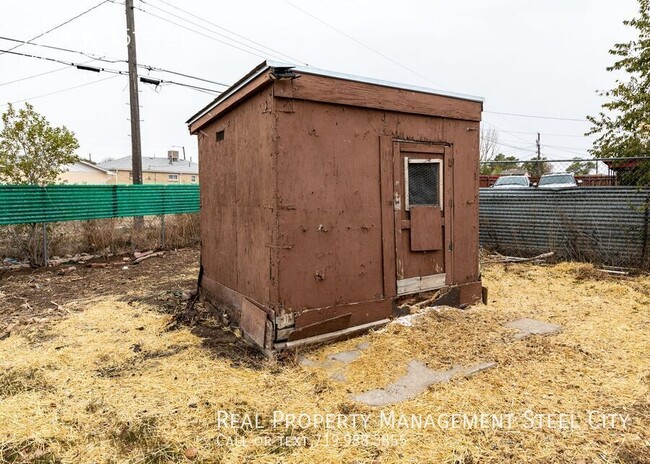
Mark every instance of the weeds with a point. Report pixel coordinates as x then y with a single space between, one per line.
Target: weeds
15 381
31 451
141 435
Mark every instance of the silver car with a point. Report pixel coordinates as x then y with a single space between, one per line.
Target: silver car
512 182
558 180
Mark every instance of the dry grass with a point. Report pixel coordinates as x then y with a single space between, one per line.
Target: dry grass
109 384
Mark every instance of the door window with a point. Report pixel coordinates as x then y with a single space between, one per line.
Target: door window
423 182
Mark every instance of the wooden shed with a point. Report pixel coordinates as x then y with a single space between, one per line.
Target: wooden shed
327 197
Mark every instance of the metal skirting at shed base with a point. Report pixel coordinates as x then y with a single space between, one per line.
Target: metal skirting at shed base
271 333
331 336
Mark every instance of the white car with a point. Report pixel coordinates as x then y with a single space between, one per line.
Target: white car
558 180
512 182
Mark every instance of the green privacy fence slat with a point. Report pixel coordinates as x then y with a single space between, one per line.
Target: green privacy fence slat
21 204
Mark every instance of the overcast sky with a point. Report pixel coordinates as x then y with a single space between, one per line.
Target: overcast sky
530 57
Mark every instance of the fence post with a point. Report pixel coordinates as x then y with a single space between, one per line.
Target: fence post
162 231
645 262
44 244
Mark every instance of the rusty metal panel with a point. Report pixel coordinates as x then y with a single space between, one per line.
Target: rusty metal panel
332 324
426 228
360 313
253 322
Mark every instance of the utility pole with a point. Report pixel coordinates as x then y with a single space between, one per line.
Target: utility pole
539 155
134 98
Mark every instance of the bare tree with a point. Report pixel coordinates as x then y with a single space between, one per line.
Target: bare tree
488 144
488 150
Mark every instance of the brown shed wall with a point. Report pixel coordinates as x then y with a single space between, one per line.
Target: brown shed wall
329 170
237 198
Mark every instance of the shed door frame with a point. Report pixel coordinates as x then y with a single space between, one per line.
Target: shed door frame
392 200
441 192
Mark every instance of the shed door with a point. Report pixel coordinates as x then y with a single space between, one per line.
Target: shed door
423 210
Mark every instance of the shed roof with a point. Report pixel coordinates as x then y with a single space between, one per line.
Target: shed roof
150 164
282 68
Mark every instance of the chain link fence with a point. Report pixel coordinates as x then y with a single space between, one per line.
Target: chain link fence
595 210
55 242
603 172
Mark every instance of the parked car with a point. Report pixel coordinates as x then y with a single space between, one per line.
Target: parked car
512 182
558 180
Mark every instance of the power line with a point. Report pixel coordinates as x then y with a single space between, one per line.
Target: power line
154 68
163 81
60 91
63 49
543 133
59 25
525 149
520 115
232 32
501 130
108 70
368 47
572 151
33 76
94 57
262 54
510 146
54 60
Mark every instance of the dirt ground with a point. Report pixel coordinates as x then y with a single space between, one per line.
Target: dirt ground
92 371
39 295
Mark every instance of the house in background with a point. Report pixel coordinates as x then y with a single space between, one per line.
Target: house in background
84 172
170 170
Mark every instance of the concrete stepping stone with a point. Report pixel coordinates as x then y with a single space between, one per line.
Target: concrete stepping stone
337 362
528 327
417 379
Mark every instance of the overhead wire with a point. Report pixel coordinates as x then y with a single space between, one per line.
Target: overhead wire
416 72
548 134
105 59
48 58
536 116
21 79
108 70
366 46
60 91
60 25
259 53
297 60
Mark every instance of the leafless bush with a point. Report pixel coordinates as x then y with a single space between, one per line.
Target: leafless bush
182 230
102 235
24 242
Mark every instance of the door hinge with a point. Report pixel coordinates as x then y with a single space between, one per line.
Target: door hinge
450 162
451 246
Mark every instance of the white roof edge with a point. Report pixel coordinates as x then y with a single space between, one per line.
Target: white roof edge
92 165
370 80
268 64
